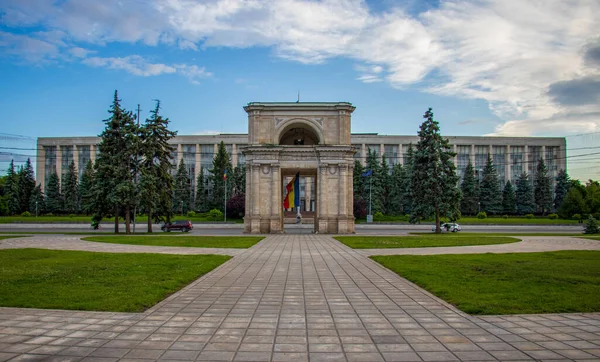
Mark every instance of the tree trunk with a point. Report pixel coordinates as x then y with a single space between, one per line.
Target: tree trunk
116 219
127 220
149 218
438 229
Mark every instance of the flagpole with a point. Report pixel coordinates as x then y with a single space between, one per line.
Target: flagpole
225 200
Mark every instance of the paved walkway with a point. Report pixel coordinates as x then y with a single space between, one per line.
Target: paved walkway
304 297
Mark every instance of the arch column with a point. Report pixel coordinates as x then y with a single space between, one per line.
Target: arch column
276 202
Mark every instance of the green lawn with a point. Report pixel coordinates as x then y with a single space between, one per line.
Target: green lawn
35 278
238 242
489 220
422 241
591 237
512 234
11 236
556 282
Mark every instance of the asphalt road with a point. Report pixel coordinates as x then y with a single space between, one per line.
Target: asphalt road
237 229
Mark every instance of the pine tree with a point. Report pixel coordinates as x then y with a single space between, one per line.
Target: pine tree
359 207
221 162
469 205
156 181
85 188
434 180
386 187
37 204
70 190
11 189
54 198
201 192
26 185
490 194
238 182
397 190
182 194
563 182
542 188
508 199
525 203
374 184
114 191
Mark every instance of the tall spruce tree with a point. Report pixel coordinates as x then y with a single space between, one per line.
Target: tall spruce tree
563 182
37 204
490 194
114 191
26 185
156 180
201 191
238 180
525 202
434 180
11 190
542 186
408 171
469 205
85 188
397 190
374 184
54 198
70 190
509 201
386 187
359 202
221 162
182 194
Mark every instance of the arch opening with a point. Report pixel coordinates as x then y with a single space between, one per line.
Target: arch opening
298 134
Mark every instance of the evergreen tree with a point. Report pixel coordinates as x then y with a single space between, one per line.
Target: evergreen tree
182 194
11 189
156 181
542 188
525 203
238 180
572 204
201 192
114 191
26 185
397 190
563 183
469 205
3 197
386 187
408 171
434 180
85 188
508 199
358 185
54 198
70 190
221 162
37 204
592 197
490 194
374 184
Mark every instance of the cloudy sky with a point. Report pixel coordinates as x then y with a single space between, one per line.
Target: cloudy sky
487 67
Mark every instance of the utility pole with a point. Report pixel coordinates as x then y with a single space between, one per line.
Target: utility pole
136 169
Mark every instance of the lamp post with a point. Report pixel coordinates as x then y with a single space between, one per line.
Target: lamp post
36 208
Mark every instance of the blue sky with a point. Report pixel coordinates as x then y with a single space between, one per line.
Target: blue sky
493 67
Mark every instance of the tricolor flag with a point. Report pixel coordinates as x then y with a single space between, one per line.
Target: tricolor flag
225 175
292 197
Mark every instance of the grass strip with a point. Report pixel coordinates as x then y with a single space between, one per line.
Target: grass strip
424 241
2 237
236 242
520 283
78 280
590 237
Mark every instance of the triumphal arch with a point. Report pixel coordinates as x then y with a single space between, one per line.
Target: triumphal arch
311 140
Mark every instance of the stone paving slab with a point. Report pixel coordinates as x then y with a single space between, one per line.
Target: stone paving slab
297 298
68 242
529 244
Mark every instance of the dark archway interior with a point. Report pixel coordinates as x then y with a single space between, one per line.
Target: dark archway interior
299 135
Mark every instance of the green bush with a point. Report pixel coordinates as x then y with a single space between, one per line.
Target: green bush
591 226
49 214
215 215
71 215
552 216
481 215
529 216
26 214
378 216
505 216
577 217
191 213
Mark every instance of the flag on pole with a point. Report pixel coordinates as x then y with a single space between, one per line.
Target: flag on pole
367 173
292 197
225 175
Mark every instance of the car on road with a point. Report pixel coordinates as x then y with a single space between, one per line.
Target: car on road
448 226
183 225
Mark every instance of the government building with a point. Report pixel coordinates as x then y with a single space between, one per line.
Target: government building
312 138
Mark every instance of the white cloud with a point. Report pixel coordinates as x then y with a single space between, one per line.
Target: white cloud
509 53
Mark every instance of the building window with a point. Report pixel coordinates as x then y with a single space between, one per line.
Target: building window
241 158
535 153
463 157
67 158
391 154
50 166
83 154
499 159
207 153
189 160
516 162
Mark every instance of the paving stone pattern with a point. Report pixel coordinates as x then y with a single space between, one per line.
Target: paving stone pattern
297 298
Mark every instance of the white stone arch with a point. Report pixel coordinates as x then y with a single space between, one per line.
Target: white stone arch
312 125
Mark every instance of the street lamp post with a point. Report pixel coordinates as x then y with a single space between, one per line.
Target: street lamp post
36 208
